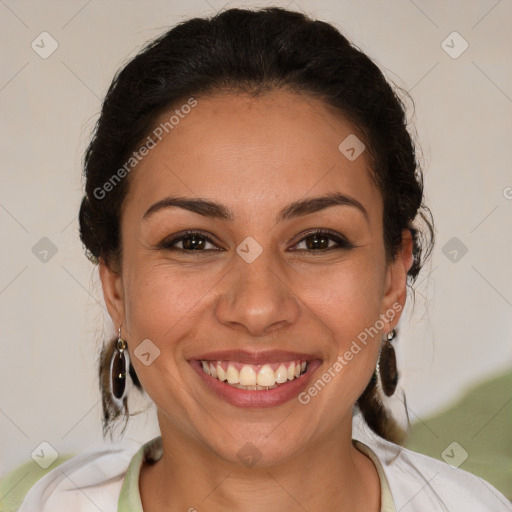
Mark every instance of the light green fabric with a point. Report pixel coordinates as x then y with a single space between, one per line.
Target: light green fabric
386 499
129 498
15 484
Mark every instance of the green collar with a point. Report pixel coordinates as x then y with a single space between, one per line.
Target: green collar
129 497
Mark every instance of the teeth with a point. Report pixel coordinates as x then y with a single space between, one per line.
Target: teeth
281 374
232 375
247 376
266 376
221 374
254 388
254 377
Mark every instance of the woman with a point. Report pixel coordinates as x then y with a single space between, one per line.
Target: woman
252 200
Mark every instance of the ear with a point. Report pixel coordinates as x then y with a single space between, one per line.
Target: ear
113 292
396 281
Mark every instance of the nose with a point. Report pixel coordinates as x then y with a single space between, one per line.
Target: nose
256 298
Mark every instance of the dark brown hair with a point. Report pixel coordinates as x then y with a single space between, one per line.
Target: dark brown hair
254 51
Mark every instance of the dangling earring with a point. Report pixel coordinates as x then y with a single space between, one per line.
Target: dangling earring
118 371
386 365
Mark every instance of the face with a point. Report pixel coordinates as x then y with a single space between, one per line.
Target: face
270 278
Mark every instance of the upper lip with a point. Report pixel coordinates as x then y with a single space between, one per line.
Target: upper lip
251 357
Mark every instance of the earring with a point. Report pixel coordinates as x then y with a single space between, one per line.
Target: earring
118 371
386 365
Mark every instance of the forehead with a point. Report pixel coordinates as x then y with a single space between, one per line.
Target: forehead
253 152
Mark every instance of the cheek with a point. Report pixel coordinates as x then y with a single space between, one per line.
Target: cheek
348 303
161 302
164 304
348 309
162 307
347 299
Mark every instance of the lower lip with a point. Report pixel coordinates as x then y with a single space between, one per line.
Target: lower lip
263 398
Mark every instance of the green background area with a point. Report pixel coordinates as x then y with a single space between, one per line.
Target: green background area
481 422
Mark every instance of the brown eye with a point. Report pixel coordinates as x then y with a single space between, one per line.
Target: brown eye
323 241
193 243
190 242
317 242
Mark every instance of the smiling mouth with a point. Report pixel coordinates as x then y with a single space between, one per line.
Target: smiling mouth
255 377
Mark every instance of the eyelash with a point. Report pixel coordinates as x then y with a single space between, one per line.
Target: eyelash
342 242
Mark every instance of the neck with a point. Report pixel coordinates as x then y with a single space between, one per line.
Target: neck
331 475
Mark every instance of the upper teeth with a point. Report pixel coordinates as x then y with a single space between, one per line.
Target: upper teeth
251 375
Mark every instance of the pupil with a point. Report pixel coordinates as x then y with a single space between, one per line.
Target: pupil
192 242
319 242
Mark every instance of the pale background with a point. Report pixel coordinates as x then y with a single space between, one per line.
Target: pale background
52 314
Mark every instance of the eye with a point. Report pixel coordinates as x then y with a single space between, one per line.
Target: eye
315 241
190 241
321 240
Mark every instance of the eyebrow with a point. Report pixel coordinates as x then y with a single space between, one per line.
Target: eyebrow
215 210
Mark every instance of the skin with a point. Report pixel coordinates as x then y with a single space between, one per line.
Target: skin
256 156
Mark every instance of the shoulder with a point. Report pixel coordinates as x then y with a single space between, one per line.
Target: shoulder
418 481
73 482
